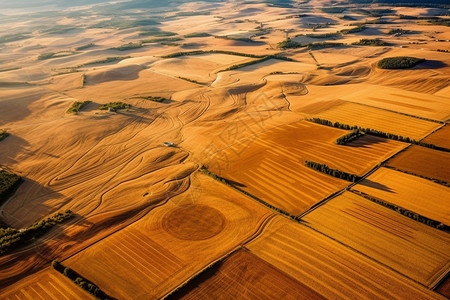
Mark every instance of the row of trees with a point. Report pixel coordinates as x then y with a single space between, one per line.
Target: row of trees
405 212
275 56
11 238
197 52
8 183
356 133
370 42
290 44
224 181
81 281
375 132
333 172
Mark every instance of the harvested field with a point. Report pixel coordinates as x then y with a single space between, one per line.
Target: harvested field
201 68
47 284
146 221
271 165
413 103
138 261
378 119
329 268
244 275
427 198
412 248
424 161
440 138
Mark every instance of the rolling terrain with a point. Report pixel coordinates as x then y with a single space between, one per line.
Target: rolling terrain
223 149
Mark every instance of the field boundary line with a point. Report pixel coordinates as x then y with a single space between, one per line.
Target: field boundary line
202 270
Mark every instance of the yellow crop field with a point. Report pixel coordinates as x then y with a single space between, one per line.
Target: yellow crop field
412 248
245 275
271 165
329 268
47 284
174 241
378 119
428 199
440 138
425 162
400 100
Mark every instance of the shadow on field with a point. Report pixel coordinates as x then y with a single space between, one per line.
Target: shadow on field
366 141
431 64
376 185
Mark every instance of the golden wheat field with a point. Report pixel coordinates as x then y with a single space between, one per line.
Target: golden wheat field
245 275
425 162
428 199
281 178
375 118
330 268
386 236
47 284
173 242
167 149
440 137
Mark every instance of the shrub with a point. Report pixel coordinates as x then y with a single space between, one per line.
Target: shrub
197 34
11 239
8 182
3 134
358 28
128 46
76 106
399 62
105 61
323 35
90 45
114 105
399 31
290 44
47 55
161 40
370 42
156 99
14 37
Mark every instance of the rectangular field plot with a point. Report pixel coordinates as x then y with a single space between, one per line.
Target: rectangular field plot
271 165
378 119
329 268
422 196
174 241
412 248
440 138
47 284
424 161
244 275
413 103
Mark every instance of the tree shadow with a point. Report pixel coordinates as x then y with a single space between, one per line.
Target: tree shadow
29 203
11 147
366 141
376 185
16 107
431 64
235 183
